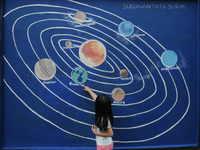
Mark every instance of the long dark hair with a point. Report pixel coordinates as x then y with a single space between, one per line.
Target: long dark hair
103 112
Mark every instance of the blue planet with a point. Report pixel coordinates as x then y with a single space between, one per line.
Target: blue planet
126 28
79 75
169 58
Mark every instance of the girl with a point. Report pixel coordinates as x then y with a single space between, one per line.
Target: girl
103 120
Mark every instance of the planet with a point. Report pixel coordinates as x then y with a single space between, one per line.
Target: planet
169 58
118 94
92 53
45 69
126 28
68 43
79 75
80 17
123 73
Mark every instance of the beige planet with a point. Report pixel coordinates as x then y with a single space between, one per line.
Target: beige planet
118 94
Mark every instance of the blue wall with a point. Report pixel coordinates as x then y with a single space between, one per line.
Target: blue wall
160 108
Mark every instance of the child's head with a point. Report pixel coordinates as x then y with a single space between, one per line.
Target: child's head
103 110
103 104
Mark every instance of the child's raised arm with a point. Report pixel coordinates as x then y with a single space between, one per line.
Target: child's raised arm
92 94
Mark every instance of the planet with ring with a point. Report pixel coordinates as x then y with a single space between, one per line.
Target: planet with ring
80 17
92 53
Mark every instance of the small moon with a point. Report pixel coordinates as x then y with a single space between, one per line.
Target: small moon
118 94
68 44
45 69
80 17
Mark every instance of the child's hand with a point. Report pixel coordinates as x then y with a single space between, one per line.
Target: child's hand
86 88
94 129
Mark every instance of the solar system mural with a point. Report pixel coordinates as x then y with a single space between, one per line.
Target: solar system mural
143 55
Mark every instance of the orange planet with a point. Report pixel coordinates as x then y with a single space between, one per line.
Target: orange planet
92 53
